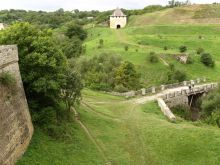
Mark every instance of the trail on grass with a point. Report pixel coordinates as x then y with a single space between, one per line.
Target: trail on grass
86 130
100 113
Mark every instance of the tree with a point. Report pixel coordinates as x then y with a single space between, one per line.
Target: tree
71 48
74 30
71 90
207 60
127 76
41 64
210 108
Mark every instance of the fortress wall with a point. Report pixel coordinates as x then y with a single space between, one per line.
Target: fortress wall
15 122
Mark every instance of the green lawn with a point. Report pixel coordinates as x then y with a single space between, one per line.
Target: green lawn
128 134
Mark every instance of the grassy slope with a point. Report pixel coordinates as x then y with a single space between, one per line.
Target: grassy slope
154 38
47 151
132 134
128 134
195 14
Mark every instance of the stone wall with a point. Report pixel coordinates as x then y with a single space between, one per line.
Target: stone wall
15 122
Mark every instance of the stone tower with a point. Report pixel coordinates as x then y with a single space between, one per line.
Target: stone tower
118 19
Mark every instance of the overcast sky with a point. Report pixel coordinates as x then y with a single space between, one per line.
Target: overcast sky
51 5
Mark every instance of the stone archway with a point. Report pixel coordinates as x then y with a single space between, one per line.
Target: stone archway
118 26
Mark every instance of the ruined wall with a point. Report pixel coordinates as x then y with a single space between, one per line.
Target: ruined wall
15 122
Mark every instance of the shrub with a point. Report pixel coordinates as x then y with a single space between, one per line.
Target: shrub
200 51
211 108
182 111
165 48
126 48
189 60
179 76
153 57
183 49
120 88
6 79
207 60
101 42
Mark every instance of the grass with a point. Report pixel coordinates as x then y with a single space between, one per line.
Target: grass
127 134
142 40
139 134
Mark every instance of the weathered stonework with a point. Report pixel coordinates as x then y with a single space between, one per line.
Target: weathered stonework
15 122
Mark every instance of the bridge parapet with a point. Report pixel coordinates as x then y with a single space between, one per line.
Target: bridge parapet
174 98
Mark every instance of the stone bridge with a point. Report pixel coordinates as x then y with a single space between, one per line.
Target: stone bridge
186 97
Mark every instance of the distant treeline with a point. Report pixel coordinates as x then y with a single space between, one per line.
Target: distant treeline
60 17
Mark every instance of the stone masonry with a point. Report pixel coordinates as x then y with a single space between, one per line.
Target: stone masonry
15 122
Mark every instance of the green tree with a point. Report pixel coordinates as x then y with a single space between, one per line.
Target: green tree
127 76
74 30
41 65
71 89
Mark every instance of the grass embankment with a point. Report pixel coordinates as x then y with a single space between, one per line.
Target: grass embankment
127 134
144 39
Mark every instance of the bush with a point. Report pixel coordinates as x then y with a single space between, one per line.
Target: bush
182 111
207 60
183 49
120 88
189 60
6 79
153 57
126 48
200 51
165 48
211 108
179 76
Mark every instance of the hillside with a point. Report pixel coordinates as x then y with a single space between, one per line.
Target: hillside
195 14
118 131
127 134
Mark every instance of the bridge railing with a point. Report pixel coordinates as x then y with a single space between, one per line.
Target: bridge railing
192 91
156 89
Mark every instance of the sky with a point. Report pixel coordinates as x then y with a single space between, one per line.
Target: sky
52 5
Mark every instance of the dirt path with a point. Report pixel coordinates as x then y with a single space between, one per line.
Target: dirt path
100 113
86 130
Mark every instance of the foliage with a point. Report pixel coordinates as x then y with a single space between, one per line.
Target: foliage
211 108
75 30
153 57
182 111
98 72
7 79
207 60
126 48
165 48
200 51
71 90
183 49
42 66
127 76
174 3
175 75
71 47
189 60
